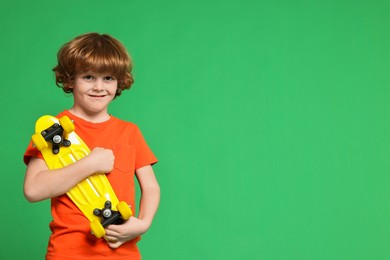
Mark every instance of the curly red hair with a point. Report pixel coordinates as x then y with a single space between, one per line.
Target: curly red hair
100 53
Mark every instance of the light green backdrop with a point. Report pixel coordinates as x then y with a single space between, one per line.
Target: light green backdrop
270 120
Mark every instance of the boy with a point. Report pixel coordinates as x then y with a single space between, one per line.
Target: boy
96 69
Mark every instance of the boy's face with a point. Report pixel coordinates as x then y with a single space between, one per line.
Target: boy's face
93 92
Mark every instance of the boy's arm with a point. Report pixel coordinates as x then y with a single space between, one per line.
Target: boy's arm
41 183
116 235
150 194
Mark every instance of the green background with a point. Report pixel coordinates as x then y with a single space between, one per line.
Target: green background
269 118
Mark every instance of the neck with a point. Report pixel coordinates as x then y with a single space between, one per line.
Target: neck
89 116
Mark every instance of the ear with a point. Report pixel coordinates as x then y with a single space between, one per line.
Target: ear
68 87
69 84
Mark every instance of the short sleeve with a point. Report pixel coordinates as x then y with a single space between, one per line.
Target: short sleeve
31 152
143 154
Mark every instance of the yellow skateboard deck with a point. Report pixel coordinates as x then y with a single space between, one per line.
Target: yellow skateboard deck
61 146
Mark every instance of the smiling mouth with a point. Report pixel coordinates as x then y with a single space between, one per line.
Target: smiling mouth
97 96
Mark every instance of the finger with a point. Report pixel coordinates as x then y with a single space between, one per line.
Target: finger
111 238
114 244
111 232
113 228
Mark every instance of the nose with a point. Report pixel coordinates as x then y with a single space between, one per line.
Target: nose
99 85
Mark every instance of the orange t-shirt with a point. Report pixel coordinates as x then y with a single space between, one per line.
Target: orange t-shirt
71 237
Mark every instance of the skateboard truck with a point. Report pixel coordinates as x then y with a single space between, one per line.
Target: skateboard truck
107 215
54 134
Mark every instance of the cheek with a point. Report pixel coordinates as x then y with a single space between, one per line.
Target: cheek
113 89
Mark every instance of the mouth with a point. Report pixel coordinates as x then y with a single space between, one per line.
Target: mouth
97 96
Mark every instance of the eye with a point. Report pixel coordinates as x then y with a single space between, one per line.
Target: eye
88 77
109 78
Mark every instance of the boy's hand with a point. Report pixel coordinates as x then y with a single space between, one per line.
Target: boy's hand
102 160
116 235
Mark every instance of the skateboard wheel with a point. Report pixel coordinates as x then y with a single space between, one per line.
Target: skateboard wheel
124 210
67 124
39 141
97 229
